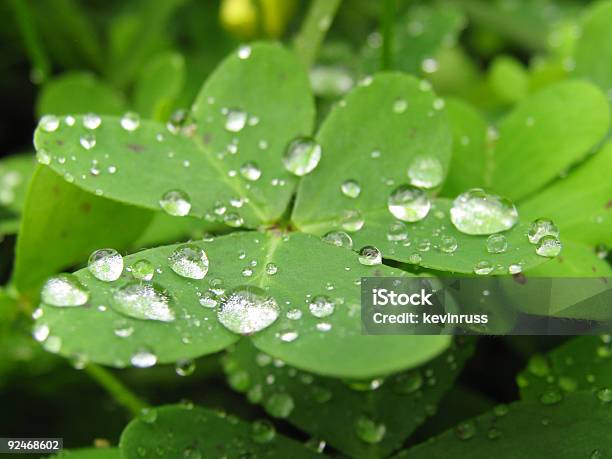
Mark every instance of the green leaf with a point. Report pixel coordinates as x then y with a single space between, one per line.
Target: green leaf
79 92
508 79
545 134
15 173
581 203
89 453
594 47
471 159
578 426
62 225
329 408
342 351
189 432
581 364
166 229
158 85
266 86
420 34
576 260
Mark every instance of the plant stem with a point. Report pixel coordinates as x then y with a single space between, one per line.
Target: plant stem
386 20
115 387
316 24
40 62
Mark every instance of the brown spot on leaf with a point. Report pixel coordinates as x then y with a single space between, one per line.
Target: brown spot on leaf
609 204
86 207
136 147
59 142
207 138
519 278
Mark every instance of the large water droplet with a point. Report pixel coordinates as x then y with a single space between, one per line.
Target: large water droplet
478 212
425 172
247 310
321 306
190 261
262 431
370 256
64 290
250 171
369 431
143 300
235 120
130 121
49 123
339 239
540 228
176 203
408 203
105 265
497 243
350 188
302 156
549 246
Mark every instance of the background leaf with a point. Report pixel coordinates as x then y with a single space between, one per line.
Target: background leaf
573 428
89 453
15 173
342 351
181 431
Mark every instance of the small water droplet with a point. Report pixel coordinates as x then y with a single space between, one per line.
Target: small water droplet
247 310
288 336
279 405
397 231
130 121
185 367
271 269
143 359
250 171
540 228
142 270
407 383
339 239
497 243
88 141
515 268
294 314
49 123
105 265
302 156
43 156
448 244
190 261
426 172
91 121
483 268
235 120
321 306
369 431
370 256
41 332
143 300
148 415
244 52
64 290
605 395
352 220
465 430
176 203
478 212
350 188
262 431
549 246
400 105
408 203
551 397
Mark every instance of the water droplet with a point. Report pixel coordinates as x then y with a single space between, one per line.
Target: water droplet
497 243
279 405
148 415
244 51
339 239
605 395
465 430
43 156
302 156
400 105
123 330
321 306
247 310
49 123
41 332
408 203
143 300
130 121
540 228
88 141
143 359
235 120
429 65
105 265
142 270
549 246
250 171
415 258
483 268
426 172
288 336
91 121
352 220
321 394
448 244
550 397
478 212
323 326
262 431
397 231
190 261
350 188
271 269
64 290
185 367
407 383
369 431
294 314
176 203
370 256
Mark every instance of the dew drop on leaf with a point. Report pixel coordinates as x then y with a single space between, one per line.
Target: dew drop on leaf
271 269
130 121
41 332
64 290
515 268
88 141
279 405
352 220
250 171
400 105
49 123
497 243
43 156
148 415
540 228
478 212
448 244
91 121
244 52
350 188
408 203
294 314
397 231
407 383
190 261
483 268
235 120
176 203
105 265
370 256
465 430
262 431
233 219
369 431
302 156
185 367
321 306
605 395
247 310
549 246
288 336
143 359
142 270
551 397
425 172
143 300
339 239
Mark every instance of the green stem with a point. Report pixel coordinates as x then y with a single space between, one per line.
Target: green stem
387 17
314 28
25 20
115 387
